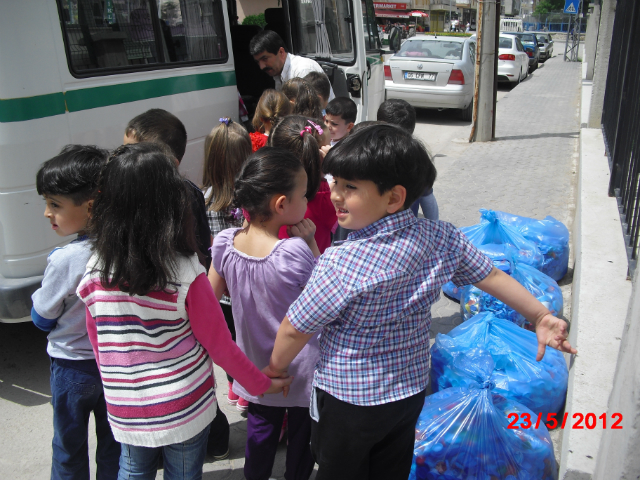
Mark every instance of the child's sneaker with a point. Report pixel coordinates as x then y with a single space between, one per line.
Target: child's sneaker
232 398
242 406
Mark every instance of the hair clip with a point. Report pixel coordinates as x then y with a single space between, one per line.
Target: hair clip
317 127
305 129
225 120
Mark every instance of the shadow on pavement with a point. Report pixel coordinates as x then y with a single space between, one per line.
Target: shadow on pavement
24 364
541 135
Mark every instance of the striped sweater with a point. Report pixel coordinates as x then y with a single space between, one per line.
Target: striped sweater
155 356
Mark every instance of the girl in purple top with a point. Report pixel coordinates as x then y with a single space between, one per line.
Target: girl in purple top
264 275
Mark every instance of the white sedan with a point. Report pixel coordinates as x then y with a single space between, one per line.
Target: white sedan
434 72
513 62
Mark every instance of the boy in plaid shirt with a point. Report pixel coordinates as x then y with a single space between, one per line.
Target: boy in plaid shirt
372 298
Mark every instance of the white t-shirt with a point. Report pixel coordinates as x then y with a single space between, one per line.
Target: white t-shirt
296 66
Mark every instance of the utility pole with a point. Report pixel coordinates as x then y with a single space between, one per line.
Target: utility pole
484 96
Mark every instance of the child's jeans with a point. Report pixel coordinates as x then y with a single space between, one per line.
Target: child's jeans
76 391
263 432
182 461
352 442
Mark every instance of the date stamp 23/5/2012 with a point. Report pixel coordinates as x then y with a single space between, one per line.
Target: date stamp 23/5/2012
578 421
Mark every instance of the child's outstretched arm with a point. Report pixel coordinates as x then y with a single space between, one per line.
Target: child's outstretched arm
550 330
289 343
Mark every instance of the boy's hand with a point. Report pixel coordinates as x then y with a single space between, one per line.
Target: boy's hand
280 381
552 331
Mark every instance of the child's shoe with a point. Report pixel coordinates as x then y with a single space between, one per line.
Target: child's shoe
242 406
232 398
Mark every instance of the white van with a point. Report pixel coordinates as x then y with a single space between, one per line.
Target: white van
76 71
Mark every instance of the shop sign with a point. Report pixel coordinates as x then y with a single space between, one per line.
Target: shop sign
390 6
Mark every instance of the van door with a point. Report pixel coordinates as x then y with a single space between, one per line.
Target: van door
333 34
375 67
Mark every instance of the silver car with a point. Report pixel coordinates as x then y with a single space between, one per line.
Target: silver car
434 72
545 42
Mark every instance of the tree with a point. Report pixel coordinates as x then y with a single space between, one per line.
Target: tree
548 6
255 20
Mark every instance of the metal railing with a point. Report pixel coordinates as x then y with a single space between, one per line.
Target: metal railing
621 123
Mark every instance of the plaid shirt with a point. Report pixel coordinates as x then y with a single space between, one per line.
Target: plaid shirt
219 221
372 297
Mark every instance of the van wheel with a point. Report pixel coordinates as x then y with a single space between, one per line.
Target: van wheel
466 114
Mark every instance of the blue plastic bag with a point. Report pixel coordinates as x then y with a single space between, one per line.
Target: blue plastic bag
540 386
500 259
541 286
550 235
491 230
463 433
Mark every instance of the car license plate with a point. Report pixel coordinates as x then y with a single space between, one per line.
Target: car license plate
419 76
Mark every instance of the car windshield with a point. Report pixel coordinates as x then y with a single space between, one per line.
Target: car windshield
527 39
440 49
505 42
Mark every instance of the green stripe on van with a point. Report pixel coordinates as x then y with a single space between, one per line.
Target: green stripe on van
29 108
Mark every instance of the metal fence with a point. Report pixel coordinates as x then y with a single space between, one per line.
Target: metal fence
550 22
621 122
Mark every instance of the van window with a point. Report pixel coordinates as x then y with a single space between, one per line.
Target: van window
103 37
371 39
323 30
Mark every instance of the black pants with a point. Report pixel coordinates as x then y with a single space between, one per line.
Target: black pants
352 442
228 317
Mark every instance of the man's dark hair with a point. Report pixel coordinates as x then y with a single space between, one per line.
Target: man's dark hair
320 82
266 40
398 112
385 154
73 173
159 126
344 108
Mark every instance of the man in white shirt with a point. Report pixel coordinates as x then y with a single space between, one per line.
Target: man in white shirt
269 52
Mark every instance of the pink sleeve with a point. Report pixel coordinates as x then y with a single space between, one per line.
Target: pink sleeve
92 330
210 329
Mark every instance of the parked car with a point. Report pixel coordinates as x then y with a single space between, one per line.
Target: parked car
530 44
513 62
545 42
434 72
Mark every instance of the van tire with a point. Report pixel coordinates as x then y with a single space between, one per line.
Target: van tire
466 114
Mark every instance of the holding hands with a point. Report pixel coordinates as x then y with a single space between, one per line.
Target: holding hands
280 381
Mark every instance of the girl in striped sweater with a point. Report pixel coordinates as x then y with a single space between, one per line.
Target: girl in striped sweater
153 320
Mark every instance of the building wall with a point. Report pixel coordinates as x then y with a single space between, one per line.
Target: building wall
253 7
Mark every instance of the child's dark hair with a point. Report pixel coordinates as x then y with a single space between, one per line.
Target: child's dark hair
320 83
300 136
142 220
73 173
267 172
398 112
225 150
344 108
159 126
304 98
385 154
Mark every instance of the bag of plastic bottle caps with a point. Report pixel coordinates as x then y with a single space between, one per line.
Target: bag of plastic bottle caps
500 258
466 433
491 230
550 235
541 286
540 386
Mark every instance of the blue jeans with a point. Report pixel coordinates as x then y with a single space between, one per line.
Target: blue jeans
76 391
429 207
182 461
